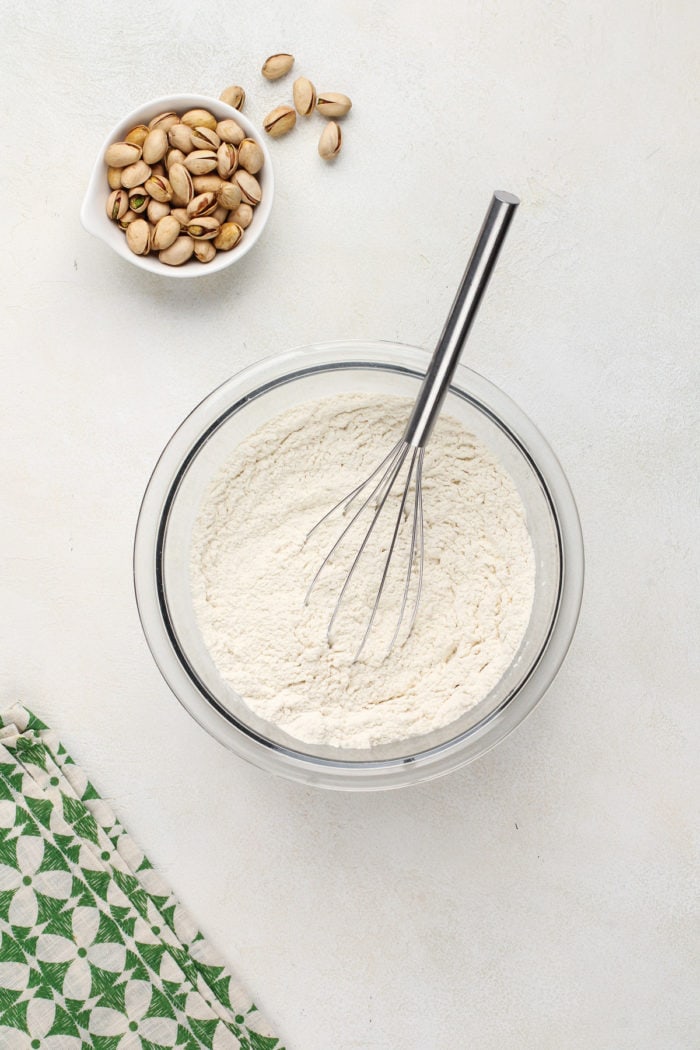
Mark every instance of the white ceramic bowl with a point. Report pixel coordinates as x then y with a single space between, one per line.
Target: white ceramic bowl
94 217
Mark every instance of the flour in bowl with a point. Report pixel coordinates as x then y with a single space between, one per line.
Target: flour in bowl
250 571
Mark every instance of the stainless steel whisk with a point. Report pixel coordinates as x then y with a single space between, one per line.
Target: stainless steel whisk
375 490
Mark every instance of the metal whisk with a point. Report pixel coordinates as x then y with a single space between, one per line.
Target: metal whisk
374 492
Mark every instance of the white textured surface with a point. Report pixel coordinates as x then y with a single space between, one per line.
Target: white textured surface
545 896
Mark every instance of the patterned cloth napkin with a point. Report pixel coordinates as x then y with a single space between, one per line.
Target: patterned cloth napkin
95 952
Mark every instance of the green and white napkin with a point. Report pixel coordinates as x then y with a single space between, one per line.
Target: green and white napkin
95 952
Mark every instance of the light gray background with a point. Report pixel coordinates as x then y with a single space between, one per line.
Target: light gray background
543 897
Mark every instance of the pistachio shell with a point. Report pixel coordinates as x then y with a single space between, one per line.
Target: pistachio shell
281 120
180 137
179 251
114 178
122 154
205 229
117 204
204 251
196 118
226 160
163 120
220 213
228 236
181 182
304 95
205 138
333 104
155 146
157 210
277 66
135 174
138 199
330 142
137 135
243 215
127 219
229 131
159 188
251 190
229 195
233 96
200 161
138 237
181 215
204 204
206 183
166 232
250 156
174 156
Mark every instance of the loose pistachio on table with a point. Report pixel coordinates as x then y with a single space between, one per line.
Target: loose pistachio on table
277 66
184 186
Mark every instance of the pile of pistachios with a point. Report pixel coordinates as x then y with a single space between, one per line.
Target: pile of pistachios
283 118
184 186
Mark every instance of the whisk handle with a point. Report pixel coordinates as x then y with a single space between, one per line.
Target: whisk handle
459 320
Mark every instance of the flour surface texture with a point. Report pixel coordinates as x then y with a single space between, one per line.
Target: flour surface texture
250 570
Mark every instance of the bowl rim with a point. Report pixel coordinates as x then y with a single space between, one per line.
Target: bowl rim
152 602
95 221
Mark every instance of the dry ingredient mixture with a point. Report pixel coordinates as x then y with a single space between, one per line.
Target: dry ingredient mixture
250 572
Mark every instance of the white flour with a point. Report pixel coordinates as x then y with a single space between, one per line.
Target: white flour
249 576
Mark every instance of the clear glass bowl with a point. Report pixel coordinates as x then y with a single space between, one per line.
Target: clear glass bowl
208 438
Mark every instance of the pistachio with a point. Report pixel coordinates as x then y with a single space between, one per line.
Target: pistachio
228 236
220 213
250 156
138 199
304 95
157 210
117 204
226 160
229 195
199 118
135 174
243 215
333 104
178 253
180 137
155 146
159 169
164 121
137 135
205 138
174 156
114 178
204 204
281 120
204 251
277 66
229 131
206 183
159 188
127 219
181 182
233 96
200 161
251 190
138 237
330 142
181 215
205 229
166 232
122 154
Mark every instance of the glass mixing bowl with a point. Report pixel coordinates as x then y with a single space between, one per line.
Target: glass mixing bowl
207 440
